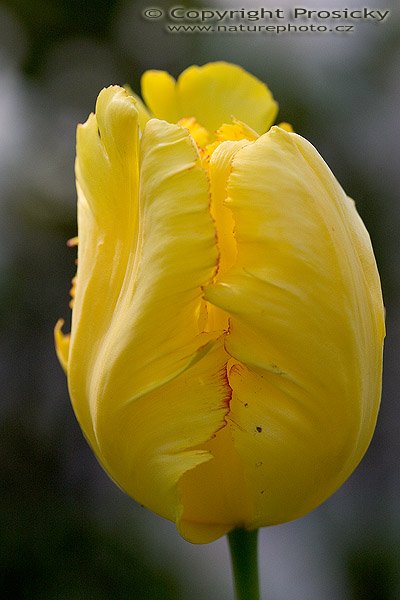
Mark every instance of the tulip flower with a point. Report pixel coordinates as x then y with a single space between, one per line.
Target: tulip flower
225 355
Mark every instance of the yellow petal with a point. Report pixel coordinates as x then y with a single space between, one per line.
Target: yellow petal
213 94
149 442
198 133
215 496
286 126
107 185
143 113
219 171
159 93
306 327
62 344
235 131
145 382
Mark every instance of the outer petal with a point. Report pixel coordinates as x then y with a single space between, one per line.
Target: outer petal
145 385
107 184
215 495
307 327
213 94
143 113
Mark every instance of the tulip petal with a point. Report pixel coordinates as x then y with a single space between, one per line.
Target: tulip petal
147 385
219 170
213 94
306 327
160 94
215 495
62 344
143 113
150 442
107 184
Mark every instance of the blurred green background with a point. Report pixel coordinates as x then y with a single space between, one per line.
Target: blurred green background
66 532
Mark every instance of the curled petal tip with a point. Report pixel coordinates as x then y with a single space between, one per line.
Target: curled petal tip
62 344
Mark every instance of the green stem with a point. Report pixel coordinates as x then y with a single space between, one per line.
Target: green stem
243 547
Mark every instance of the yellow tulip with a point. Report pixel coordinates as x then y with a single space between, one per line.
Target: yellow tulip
225 354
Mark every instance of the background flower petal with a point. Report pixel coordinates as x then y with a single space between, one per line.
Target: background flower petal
213 94
216 92
160 94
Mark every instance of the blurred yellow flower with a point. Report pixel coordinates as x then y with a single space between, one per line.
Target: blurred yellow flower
225 356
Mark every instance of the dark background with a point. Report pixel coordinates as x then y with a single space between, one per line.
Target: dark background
66 532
